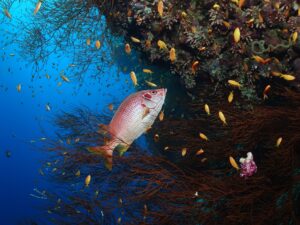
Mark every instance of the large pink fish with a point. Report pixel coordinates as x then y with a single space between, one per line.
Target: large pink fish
134 116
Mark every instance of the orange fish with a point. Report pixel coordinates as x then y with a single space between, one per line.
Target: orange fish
195 66
88 41
160 8
135 40
161 116
98 44
172 54
266 91
241 3
127 49
237 35
111 107
199 152
233 163
7 14
37 7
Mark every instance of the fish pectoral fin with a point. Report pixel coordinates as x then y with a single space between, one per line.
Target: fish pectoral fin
121 148
146 112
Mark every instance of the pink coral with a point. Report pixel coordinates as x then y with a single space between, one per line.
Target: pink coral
248 166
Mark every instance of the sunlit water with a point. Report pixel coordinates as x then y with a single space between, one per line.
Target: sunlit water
24 119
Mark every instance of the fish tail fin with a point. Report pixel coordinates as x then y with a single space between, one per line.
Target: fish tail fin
106 152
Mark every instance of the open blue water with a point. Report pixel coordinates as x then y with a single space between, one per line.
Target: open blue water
24 119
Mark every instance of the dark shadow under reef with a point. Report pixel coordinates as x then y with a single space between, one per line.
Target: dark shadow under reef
167 188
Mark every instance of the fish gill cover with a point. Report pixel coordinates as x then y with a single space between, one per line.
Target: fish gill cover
233 89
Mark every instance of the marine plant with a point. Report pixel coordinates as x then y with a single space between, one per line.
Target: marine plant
195 188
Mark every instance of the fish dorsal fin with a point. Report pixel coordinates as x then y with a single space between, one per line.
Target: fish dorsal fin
121 148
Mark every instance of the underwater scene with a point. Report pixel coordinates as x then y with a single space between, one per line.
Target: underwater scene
173 112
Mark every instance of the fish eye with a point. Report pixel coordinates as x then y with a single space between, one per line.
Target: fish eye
154 92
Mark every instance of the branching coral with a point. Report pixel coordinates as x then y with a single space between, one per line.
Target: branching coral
193 190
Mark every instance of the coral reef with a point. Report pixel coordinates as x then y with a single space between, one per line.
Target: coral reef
203 31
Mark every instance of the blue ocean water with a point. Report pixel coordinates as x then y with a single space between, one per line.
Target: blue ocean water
25 121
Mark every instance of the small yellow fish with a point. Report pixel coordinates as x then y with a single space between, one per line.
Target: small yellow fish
66 79
77 174
216 6
203 160
161 44
199 152
7 14
135 40
249 22
37 7
226 24
230 97
161 116
147 71
127 49
207 110
266 91
19 87
287 77
295 37
222 117
234 83
119 220
183 151
48 107
88 180
233 163
278 142
133 78
88 41
41 172
195 66
203 136
98 44
150 84
277 5
183 14
237 35
160 8
172 54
